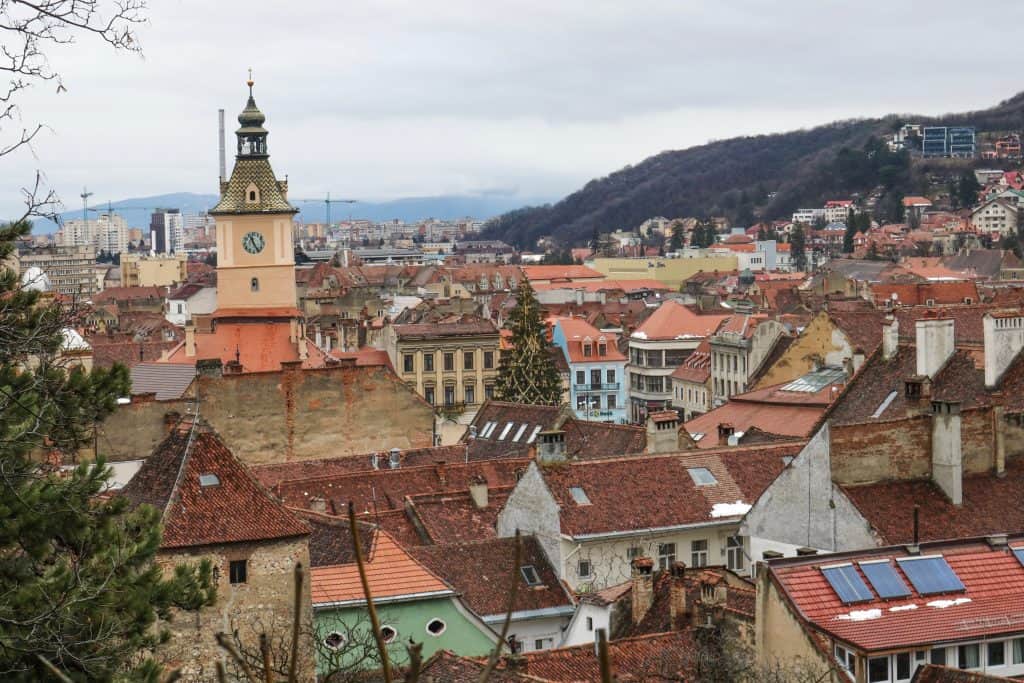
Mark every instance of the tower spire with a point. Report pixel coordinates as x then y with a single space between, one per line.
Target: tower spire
250 82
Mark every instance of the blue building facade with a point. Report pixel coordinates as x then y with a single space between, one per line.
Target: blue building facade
597 371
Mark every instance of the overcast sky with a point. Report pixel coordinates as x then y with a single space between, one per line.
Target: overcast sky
387 99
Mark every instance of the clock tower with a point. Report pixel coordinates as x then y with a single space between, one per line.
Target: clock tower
255 249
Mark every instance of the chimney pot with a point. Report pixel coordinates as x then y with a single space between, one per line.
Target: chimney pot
677 605
642 588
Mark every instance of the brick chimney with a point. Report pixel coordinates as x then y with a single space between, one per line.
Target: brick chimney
441 469
890 338
677 607
478 492
643 587
725 430
663 432
1004 338
947 450
935 344
190 341
551 446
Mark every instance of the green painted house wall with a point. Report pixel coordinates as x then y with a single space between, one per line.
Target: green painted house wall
464 633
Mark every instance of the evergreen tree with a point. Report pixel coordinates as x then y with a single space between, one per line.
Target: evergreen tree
851 230
968 189
797 247
80 588
527 373
676 243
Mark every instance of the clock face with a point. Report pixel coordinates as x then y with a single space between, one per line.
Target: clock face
253 242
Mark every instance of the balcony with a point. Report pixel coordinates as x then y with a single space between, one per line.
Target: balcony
601 386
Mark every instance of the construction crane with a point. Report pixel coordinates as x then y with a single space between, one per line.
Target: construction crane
327 201
85 204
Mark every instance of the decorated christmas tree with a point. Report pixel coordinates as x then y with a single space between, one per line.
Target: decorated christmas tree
527 373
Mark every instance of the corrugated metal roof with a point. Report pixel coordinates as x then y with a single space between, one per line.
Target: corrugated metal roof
168 381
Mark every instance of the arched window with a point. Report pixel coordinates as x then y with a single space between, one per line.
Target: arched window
254 284
252 195
389 633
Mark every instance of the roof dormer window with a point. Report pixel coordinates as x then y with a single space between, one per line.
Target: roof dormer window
588 347
252 194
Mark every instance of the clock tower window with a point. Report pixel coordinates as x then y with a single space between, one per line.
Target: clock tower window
254 284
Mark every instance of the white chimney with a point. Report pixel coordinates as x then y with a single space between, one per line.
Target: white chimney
394 458
935 344
890 338
1004 338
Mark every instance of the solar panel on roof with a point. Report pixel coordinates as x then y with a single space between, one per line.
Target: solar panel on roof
884 579
930 574
847 584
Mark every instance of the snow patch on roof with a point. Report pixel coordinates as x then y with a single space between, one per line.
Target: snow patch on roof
639 335
943 604
902 608
861 615
730 509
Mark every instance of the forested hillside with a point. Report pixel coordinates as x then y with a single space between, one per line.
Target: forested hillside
747 178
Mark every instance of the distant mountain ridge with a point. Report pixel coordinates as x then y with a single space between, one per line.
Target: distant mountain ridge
445 207
744 178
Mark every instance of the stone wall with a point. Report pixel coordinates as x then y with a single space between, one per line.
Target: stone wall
264 603
287 415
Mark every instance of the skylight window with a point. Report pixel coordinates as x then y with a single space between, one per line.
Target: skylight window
488 429
930 574
579 495
208 479
702 476
505 431
885 404
846 582
697 436
883 577
1019 554
530 575
533 434
519 434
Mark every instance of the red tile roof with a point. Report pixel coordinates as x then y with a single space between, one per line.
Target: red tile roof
464 328
658 657
234 509
991 504
577 330
661 493
920 293
481 573
990 604
448 518
447 667
386 489
272 474
933 673
673 320
364 357
391 572
117 294
261 346
697 366
916 201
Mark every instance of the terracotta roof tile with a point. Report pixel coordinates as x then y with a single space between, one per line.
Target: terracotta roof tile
621 492
271 475
436 330
658 657
454 518
577 330
391 573
261 346
990 506
447 667
480 571
933 673
672 320
582 439
993 593
231 508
